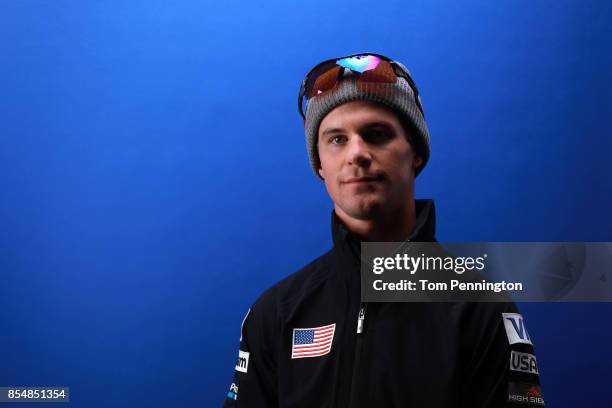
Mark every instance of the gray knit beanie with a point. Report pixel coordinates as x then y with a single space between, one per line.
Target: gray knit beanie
398 96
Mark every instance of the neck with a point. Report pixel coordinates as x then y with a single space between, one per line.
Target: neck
392 226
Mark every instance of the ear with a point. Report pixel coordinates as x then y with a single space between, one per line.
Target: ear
417 161
321 172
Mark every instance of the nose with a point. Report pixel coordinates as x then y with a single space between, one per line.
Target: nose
358 152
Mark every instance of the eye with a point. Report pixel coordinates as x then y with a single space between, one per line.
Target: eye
378 135
337 139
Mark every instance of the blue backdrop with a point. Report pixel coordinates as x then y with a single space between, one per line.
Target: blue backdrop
154 177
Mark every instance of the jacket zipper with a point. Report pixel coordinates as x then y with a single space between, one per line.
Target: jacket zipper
354 398
361 319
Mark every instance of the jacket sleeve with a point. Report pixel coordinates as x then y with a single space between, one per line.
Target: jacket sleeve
501 368
254 384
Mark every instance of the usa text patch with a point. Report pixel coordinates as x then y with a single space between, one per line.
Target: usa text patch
523 362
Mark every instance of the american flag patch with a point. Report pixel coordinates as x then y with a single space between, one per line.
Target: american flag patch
312 342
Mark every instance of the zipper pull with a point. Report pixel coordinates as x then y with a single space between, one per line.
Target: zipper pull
360 320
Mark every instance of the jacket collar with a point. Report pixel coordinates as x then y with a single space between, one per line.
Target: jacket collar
424 228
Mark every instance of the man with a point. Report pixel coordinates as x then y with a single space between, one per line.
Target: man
309 341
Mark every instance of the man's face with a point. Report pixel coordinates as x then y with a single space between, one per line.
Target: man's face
366 160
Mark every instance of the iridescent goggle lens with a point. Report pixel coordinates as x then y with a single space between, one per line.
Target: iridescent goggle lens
367 69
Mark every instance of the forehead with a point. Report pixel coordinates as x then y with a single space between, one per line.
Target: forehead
358 113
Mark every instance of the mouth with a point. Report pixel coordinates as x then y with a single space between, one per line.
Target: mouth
371 178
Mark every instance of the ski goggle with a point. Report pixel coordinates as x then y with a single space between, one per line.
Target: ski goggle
367 69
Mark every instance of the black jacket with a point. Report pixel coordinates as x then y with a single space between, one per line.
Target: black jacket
407 355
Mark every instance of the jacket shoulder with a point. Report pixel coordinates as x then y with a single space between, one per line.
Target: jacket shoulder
289 290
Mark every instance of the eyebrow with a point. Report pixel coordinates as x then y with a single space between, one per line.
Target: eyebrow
329 131
372 125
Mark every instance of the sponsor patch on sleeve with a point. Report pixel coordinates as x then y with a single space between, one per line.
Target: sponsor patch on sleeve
523 362
522 393
515 329
242 362
233 392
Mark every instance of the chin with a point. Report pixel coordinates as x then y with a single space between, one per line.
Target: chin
364 209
